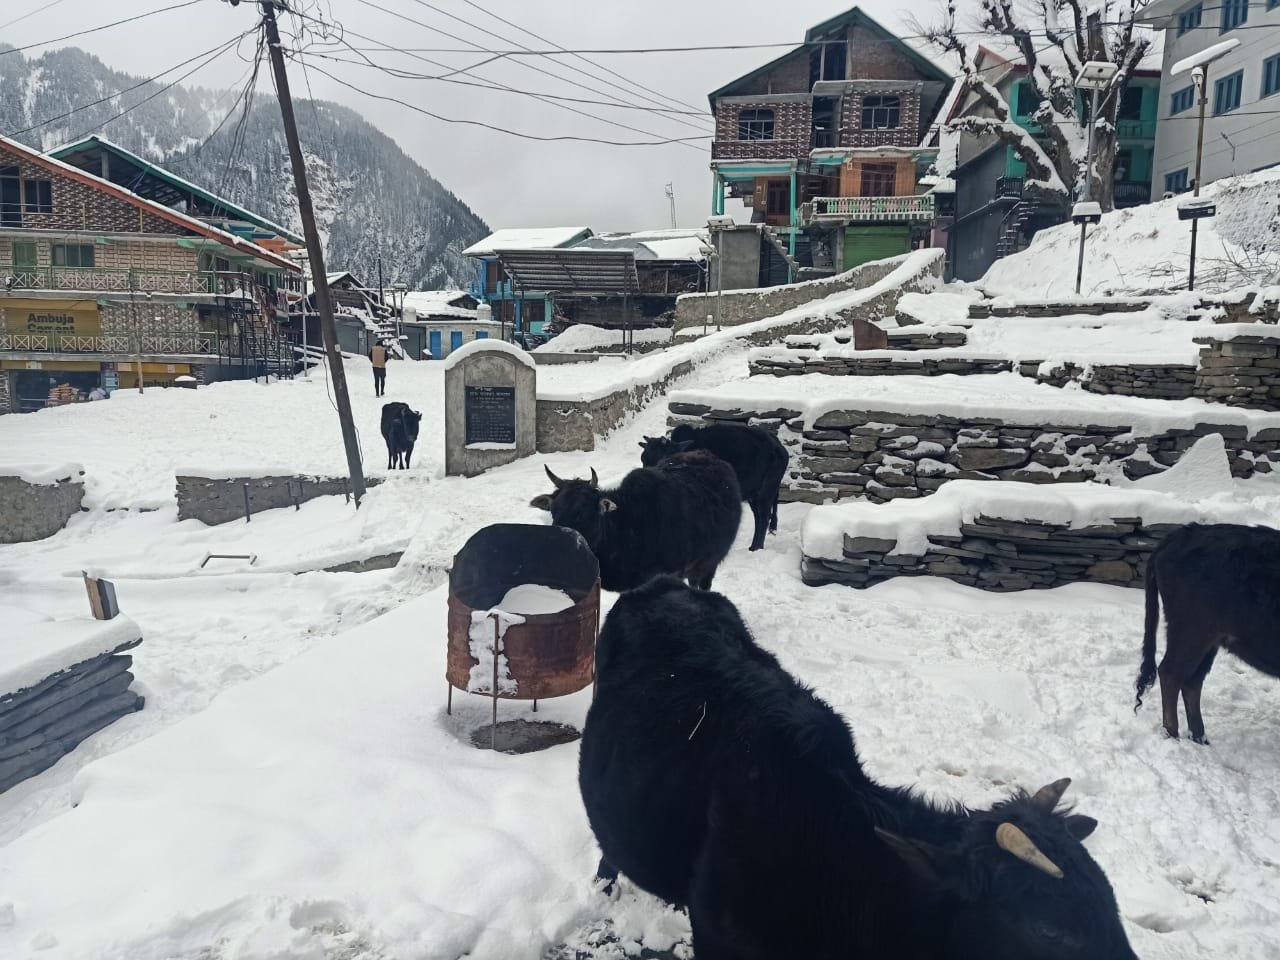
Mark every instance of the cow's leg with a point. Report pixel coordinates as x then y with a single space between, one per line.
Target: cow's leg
1182 655
391 457
773 512
760 513
1191 697
407 454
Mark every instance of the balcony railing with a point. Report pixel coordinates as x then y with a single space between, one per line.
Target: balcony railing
758 149
124 280
1126 194
874 209
1136 129
181 344
1007 187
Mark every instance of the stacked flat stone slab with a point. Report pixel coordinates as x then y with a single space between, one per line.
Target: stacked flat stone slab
1002 555
1241 371
215 500
1164 381
1063 308
47 719
885 455
851 365
36 503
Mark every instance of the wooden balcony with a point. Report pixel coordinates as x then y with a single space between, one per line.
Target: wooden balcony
122 280
873 209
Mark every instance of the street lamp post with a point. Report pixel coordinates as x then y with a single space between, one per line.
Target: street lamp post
400 288
1094 76
718 225
1198 65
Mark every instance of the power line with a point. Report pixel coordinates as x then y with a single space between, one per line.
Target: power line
217 51
514 133
42 8
666 99
480 48
105 26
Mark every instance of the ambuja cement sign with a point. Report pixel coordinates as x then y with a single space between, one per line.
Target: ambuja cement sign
67 318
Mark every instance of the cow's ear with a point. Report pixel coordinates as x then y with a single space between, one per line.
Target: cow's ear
1081 826
541 502
607 505
924 860
417 416
644 444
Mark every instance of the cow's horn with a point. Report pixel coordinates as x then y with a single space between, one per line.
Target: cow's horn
595 481
1047 797
554 479
1013 840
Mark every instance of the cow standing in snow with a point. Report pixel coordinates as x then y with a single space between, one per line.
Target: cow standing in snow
1220 584
400 430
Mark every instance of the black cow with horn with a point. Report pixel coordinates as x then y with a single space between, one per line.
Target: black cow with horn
679 518
713 779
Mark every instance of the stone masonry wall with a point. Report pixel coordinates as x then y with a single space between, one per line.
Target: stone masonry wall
1241 372
884 455
1001 555
33 511
215 501
745 306
575 424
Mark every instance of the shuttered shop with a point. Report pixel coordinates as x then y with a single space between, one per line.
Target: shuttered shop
864 244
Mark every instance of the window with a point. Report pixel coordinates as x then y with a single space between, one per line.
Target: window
1190 19
881 113
1028 100
73 255
1226 93
1176 182
1271 74
1181 100
1130 104
755 125
24 254
1234 13
10 197
37 196
879 180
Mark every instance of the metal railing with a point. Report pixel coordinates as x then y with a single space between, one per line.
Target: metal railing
1009 187
1136 129
141 280
1130 194
873 209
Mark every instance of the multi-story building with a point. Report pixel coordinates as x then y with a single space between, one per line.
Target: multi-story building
1242 90
824 144
103 286
993 214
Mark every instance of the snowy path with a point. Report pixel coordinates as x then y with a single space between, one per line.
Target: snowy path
294 788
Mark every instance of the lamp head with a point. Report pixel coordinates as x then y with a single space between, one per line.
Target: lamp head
1197 77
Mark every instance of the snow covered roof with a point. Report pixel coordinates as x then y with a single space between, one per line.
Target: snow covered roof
673 244
439 303
527 238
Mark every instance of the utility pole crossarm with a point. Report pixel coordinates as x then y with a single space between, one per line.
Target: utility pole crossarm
324 303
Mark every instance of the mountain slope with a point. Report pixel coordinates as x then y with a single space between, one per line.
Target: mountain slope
371 198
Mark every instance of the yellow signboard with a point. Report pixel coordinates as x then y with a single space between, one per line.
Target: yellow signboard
68 318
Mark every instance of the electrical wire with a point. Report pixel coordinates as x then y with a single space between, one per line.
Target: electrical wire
105 26
42 8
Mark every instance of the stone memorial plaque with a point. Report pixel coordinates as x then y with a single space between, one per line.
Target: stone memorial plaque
490 414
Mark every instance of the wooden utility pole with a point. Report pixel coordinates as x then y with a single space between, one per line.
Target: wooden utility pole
320 282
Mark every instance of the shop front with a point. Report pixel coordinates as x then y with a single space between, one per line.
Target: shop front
56 326
43 383
153 374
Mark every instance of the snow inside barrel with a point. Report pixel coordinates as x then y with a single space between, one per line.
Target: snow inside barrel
524 611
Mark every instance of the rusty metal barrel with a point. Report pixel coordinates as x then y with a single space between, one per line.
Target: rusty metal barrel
548 655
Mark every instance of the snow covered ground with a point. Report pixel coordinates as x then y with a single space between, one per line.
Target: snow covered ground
293 787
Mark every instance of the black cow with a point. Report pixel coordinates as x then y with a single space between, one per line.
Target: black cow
713 779
400 430
680 518
757 456
1220 584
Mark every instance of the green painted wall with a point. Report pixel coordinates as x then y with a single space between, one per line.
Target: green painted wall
864 244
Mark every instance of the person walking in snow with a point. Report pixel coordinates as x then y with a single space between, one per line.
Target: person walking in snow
378 355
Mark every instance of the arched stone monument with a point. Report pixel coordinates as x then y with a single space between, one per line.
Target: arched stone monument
490 407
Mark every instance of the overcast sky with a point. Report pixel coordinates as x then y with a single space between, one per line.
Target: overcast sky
507 180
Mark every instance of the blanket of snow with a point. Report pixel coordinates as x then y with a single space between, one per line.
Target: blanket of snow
1229 331
488 627
1206 55
1147 249
1006 396
42 474
33 649
584 337
294 787
961 501
525 238
947 306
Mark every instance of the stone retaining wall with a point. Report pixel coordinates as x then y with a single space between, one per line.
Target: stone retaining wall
1168 381
576 424
33 511
43 723
744 306
884 455
1002 555
221 500
779 365
1064 308
1243 371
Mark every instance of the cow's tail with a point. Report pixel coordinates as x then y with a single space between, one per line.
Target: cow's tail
1147 672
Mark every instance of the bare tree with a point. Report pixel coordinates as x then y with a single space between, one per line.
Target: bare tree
1053 38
